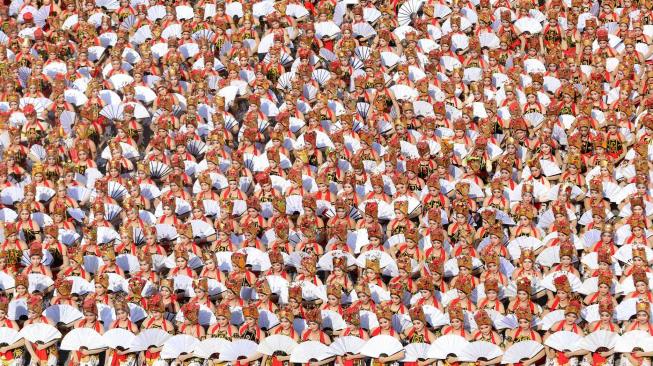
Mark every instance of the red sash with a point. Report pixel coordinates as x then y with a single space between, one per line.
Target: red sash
151 355
598 360
117 359
9 355
562 359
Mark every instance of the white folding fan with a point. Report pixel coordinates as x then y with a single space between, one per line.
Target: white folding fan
625 253
563 341
434 316
53 69
489 40
116 190
549 256
119 81
11 194
65 314
416 352
628 341
310 351
326 260
279 286
266 319
332 320
552 318
626 309
209 347
451 266
528 24
112 112
6 281
119 338
239 349
326 29
310 291
446 345
296 11
520 351
178 345
136 312
9 336
40 332
385 260
8 215
108 4
70 22
42 219
407 11
321 76
235 9
363 30
262 8
368 319
128 263
118 283
144 94
203 34
39 282
166 232
598 339
202 229
173 30
184 12
523 242
44 194
107 235
381 345
189 50
150 338
404 92
37 153
277 343
17 309
346 345
92 263
46 258
80 338
142 35
534 66
479 350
